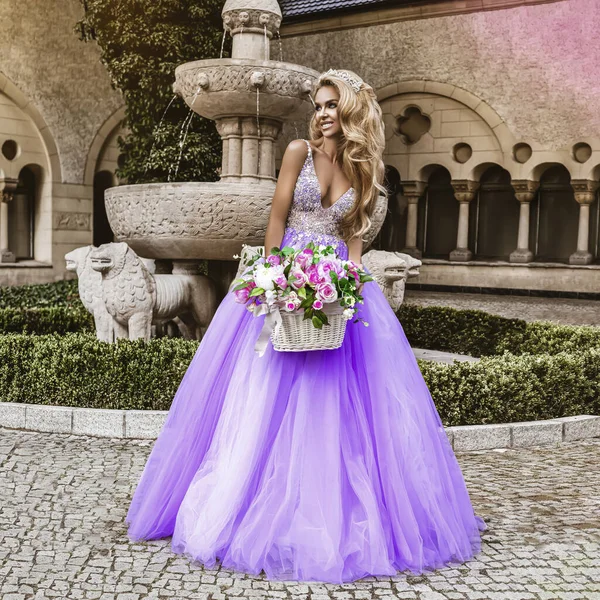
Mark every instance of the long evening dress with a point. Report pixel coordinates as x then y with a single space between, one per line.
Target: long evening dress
325 465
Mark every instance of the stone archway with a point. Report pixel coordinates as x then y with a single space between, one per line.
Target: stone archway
496 215
556 216
438 216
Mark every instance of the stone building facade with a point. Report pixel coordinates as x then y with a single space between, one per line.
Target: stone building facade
492 116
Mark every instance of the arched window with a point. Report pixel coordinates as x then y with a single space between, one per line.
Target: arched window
496 212
102 233
439 216
556 216
21 216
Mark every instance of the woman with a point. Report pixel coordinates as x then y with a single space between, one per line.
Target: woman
325 465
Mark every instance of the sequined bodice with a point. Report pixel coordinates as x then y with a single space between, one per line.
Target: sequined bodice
307 219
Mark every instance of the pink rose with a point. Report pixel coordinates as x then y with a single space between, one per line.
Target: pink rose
304 259
317 304
326 292
313 275
290 306
329 264
241 296
273 260
281 281
301 278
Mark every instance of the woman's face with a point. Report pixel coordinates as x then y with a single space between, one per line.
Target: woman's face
326 115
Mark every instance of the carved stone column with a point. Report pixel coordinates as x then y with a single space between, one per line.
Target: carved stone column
249 150
464 192
412 191
269 131
7 188
230 130
524 193
585 193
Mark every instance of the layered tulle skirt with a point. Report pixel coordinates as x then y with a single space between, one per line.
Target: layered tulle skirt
326 465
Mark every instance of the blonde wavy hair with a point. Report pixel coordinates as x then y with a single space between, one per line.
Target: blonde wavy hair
360 150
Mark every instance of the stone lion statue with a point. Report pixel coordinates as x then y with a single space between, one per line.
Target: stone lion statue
389 269
89 284
136 298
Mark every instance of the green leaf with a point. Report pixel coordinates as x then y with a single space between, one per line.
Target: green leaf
317 322
257 291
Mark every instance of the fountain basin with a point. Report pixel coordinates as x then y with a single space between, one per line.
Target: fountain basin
190 220
219 88
197 220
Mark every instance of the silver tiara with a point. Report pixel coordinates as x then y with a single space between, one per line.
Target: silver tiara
354 82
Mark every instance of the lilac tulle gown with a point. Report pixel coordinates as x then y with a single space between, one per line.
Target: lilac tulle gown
327 465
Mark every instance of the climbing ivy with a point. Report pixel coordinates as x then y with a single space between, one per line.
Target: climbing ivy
141 44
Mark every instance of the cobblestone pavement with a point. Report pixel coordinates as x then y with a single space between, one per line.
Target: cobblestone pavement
63 499
559 310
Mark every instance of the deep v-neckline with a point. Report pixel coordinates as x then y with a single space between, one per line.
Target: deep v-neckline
312 163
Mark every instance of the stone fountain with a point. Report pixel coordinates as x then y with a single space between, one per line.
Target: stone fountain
249 97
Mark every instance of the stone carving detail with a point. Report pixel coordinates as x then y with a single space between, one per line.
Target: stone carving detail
585 190
276 81
254 20
391 271
188 210
72 220
126 298
90 290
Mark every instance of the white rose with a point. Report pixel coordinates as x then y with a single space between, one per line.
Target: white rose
348 313
263 277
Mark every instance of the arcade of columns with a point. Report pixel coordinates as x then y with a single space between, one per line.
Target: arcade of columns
465 191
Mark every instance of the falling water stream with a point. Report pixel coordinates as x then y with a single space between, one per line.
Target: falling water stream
183 134
155 133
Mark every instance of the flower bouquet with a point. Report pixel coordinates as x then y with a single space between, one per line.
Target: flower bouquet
300 291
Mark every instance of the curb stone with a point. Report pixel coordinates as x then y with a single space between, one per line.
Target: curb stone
147 424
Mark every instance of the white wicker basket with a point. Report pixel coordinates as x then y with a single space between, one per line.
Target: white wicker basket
298 335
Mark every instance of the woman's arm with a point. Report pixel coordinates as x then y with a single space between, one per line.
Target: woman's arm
355 246
291 165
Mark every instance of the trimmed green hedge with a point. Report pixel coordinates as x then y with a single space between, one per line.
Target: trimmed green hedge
75 369
58 293
528 371
50 319
478 333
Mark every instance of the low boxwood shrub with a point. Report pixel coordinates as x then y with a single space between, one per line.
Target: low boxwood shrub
76 369
47 319
478 333
58 293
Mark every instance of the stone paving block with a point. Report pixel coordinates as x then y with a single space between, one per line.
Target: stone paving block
533 433
12 414
580 427
99 422
53 419
480 437
144 423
